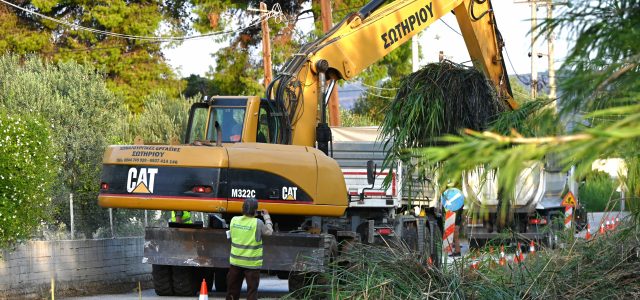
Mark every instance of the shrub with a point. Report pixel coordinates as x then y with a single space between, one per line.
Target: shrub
84 116
597 191
27 172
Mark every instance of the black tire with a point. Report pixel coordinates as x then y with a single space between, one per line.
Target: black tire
162 280
220 279
183 283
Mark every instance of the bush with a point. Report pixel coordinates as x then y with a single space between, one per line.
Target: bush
349 118
27 172
598 192
84 116
163 119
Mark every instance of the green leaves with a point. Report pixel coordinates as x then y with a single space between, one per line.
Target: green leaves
27 172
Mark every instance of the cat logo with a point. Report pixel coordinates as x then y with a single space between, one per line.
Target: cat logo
141 182
289 193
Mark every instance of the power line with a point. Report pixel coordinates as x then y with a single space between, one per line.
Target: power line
134 37
514 69
445 23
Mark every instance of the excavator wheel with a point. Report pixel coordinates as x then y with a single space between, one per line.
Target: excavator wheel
162 280
183 283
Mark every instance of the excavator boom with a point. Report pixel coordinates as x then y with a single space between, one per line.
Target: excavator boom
367 36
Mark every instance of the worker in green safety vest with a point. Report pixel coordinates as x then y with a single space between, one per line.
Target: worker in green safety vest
180 216
245 259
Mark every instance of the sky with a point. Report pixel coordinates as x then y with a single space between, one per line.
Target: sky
194 56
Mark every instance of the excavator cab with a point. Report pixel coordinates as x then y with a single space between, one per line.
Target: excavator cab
220 120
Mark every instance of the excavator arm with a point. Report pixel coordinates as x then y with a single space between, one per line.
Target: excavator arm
363 38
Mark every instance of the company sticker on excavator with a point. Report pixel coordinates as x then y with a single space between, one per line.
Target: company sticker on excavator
289 193
141 181
148 154
394 34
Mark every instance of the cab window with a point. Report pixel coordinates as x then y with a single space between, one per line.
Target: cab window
231 121
263 126
198 124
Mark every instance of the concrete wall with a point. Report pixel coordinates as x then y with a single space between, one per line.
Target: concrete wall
78 267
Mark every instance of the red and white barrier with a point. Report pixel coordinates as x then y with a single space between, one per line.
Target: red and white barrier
568 216
449 228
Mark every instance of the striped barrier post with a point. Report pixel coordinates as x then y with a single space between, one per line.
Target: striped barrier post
568 216
449 228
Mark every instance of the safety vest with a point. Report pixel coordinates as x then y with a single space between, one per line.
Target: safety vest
246 252
186 217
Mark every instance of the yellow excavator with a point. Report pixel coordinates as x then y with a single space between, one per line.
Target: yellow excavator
276 149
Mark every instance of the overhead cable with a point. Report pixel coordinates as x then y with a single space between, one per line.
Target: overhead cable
137 37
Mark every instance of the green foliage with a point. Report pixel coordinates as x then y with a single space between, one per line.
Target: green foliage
27 173
84 116
133 68
532 117
441 98
602 268
599 79
598 192
386 74
162 120
198 85
236 73
601 68
351 119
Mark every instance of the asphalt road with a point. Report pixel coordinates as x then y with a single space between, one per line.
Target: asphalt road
270 288
273 288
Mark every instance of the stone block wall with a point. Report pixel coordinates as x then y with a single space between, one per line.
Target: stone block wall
77 266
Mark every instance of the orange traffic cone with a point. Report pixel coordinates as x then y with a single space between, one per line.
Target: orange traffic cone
204 295
601 229
516 256
617 221
532 248
520 255
613 223
475 263
588 236
608 225
503 260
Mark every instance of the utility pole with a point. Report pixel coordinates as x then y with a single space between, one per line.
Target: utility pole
334 103
534 71
552 70
266 45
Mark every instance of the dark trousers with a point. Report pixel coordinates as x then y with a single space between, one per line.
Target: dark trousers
234 282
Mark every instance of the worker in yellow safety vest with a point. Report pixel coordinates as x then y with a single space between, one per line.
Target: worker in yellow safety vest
180 216
245 259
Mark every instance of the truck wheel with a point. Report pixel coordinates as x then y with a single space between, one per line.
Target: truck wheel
183 283
220 279
162 280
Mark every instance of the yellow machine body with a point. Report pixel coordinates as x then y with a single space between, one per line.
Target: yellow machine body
295 178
